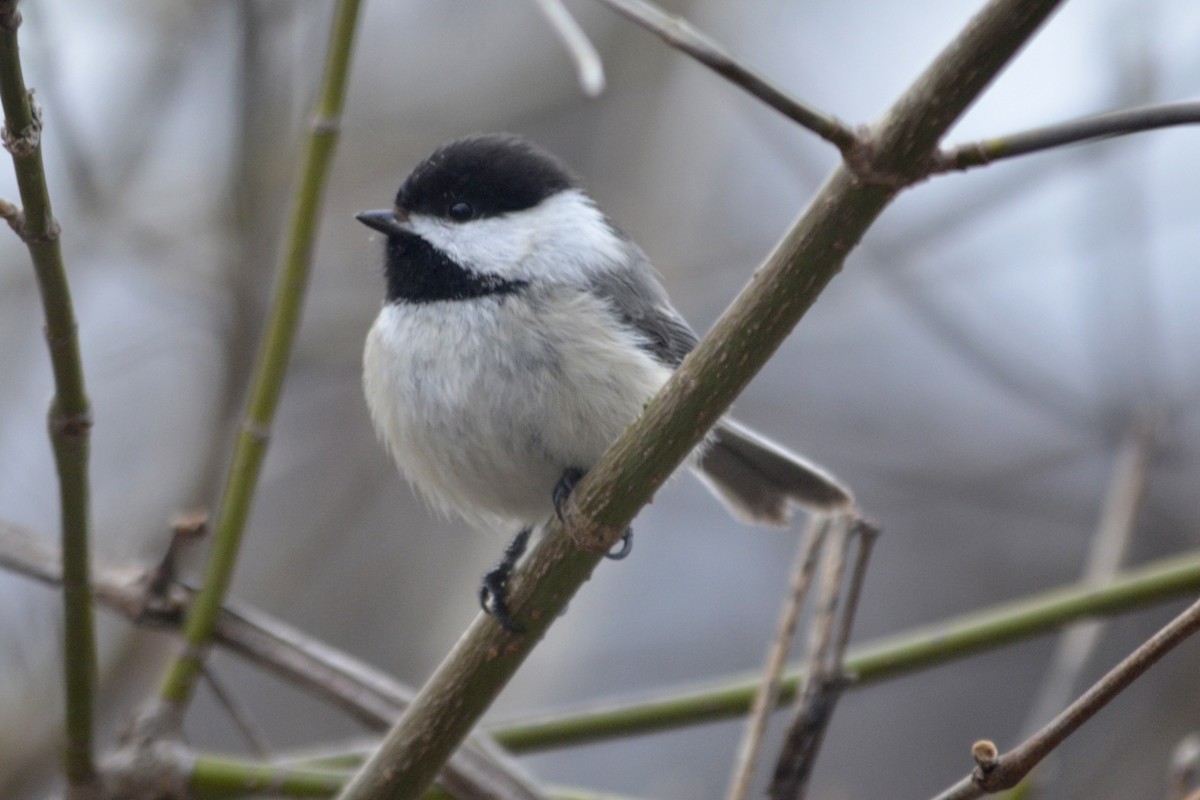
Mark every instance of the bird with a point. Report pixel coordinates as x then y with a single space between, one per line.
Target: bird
521 332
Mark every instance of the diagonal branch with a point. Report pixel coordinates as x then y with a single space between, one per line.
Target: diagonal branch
372 697
70 417
700 391
1077 131
994 772
678 33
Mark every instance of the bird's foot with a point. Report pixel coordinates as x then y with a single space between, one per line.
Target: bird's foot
493 591
564 487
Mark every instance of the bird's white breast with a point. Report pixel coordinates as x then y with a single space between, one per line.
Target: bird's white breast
485 402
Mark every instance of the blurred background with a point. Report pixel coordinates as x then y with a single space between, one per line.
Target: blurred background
971 374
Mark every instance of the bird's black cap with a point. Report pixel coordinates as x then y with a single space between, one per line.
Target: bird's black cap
483 175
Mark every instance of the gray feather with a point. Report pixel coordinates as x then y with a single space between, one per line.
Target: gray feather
641 302
759 480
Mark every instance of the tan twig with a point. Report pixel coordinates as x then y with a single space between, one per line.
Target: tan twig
1114 530
1003 772
767 697
588 66
824 678
680 34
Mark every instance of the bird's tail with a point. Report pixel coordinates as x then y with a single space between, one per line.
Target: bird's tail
759 480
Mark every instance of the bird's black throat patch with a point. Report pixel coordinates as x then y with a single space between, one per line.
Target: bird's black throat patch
417 272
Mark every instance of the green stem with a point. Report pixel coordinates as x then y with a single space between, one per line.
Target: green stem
887 658
271 366
70 413
213 776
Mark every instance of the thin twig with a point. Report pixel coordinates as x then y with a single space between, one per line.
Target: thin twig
1085 129
1002 772
372 697
681 35
1114 530
267 384
588 66
240 716
70 416
824 679
767 698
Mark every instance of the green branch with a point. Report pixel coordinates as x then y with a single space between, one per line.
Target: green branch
70 418
896 152
891 657
271 366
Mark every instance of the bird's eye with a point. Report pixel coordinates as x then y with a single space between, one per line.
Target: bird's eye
461 211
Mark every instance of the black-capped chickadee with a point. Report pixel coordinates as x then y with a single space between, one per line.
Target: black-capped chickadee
522 332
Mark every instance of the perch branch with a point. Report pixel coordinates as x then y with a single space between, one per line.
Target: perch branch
700 391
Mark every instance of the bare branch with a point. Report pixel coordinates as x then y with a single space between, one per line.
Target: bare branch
588 65
1085 129
372 697
241 717
766 699
1114 529
996 774
680 34
825 676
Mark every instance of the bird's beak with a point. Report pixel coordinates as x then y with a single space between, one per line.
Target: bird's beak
383 220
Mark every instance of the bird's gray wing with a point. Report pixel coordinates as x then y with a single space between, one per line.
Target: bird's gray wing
640 301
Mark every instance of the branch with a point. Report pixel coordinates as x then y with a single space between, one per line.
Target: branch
994 773
70 417
1085 129
372 697
700 391
1114 531
588 66
825 676
678 33
270 370
766 699
892 657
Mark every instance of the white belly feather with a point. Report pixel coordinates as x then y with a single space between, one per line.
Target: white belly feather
484 403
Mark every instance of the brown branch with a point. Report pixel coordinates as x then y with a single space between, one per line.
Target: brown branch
1077 131
678 33
994 774
372 697
825 676
766 699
